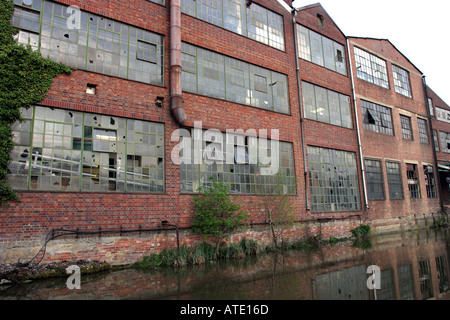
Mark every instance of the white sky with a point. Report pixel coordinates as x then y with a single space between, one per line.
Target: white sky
419 29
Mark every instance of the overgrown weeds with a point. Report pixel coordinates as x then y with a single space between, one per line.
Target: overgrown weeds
361 232
205 252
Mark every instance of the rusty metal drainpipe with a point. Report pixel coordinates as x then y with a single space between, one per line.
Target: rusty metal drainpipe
176 98
167 224
302 130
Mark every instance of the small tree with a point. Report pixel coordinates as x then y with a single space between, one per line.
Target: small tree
276 204
216 216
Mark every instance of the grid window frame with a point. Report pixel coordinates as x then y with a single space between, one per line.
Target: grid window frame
333 108
71 151
377 118
86 49
423 131
443 274
406 282
430 182
371 68
436 141
430 107
274 97
320 50
445 141
402 81
28 20
412 175
374 179
333 177
254 22
407 132
242 177
394 178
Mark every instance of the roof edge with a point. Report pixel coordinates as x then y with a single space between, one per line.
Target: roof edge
318 4
382 39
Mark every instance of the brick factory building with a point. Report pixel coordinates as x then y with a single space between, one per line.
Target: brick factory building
396 142
95 156
440 115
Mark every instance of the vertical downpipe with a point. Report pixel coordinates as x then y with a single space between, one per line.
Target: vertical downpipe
294 25
176 99
363 172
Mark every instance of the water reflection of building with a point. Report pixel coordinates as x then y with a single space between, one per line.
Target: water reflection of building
407 273
413 267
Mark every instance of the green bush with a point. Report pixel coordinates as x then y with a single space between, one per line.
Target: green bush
216 216
361 232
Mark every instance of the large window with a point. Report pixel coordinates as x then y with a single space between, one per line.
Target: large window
320 50
431 107
445 141
443 274
326 106
100 44
406 282
436 141
374 175
242 175
423 131
64 150
394 181
401 81
413 181
254 21
430 181
406 127
333 180
214 75
377 118
27 21
442 115
371 68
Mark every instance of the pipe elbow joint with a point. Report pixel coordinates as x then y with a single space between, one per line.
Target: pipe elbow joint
176 107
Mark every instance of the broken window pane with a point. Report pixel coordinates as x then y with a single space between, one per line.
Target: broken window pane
333 178
401 81
406 127
99 44
377 118
69 146
413 181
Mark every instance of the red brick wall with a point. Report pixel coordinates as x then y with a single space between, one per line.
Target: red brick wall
39 212
439 125
385 147
442 157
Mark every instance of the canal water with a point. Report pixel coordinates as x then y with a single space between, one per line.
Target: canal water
403 266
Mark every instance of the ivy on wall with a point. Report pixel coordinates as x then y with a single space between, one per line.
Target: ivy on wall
25 78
